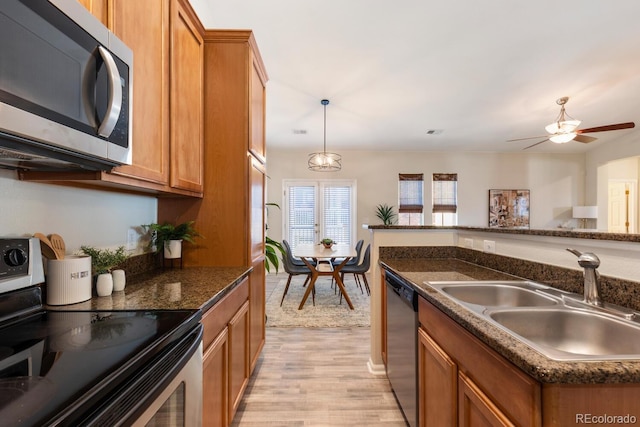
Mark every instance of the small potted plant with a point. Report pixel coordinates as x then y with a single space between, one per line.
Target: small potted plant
327 243
385 213
103 261
169 237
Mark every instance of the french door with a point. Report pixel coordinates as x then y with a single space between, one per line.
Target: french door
318 209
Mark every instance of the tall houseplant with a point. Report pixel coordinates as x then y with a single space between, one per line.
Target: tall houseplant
272 248
164 235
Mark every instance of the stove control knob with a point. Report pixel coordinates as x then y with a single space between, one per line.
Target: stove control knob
15 257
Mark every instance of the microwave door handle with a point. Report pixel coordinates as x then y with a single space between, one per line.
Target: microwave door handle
115 94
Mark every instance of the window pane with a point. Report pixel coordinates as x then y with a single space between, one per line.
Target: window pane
337 214
302 215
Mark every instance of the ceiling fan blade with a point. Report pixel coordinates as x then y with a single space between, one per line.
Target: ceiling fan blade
529 137
544 140
617 126
584 138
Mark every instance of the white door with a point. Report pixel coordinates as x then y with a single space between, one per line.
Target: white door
622 207
319 209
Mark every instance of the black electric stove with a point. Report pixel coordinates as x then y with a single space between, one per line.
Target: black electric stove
66 367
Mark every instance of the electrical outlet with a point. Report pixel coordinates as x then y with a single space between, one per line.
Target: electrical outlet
468 243
132 239
489 246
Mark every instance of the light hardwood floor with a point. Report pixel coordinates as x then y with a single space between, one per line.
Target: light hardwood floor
317 377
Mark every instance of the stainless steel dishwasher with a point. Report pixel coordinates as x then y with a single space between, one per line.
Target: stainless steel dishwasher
402 345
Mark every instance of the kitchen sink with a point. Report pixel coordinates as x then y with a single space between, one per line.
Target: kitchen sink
518 294
572 334
558 324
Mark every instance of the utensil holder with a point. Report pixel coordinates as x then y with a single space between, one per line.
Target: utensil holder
68 280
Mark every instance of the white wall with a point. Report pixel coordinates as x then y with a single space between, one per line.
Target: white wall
556 182
81 216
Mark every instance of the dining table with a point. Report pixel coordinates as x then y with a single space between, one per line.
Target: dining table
320 259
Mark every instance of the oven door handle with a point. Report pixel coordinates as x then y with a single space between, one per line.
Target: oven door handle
115 94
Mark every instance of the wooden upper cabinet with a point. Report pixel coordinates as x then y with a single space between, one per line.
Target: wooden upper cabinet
149 40
257 143
186 99
235 67
98 8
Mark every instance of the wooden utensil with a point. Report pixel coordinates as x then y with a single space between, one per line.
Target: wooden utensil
57 242
47 248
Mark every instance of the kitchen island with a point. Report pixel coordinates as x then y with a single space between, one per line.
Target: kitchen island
489 368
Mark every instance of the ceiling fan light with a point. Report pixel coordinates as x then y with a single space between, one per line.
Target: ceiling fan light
561 138
565 126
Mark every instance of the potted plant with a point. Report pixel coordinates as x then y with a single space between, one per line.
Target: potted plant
103 261
385 213
327 242
272 247
169 237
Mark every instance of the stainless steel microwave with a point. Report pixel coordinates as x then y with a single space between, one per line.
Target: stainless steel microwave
65 88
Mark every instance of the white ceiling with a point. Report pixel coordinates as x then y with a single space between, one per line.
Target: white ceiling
482 71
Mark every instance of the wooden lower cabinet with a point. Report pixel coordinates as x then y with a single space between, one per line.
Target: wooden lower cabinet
475 409
226 357
463 382
437 384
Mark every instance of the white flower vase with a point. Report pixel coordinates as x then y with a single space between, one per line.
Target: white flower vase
173 249
104 284
119 280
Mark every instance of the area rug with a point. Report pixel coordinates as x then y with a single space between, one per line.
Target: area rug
327 311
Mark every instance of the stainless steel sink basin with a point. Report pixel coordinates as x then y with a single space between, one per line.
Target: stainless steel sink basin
502 295
557 324
571 334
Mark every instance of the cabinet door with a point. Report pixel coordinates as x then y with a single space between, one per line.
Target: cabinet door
142 25
438 378
215 400
256 255
186 100
238 357
97 7
257 110
475 409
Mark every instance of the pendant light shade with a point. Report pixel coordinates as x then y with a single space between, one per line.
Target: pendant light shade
324 161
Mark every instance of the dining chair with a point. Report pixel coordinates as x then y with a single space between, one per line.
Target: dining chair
289 253
293 269
352 261
359 270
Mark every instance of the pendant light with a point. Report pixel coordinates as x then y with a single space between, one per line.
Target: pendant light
324 161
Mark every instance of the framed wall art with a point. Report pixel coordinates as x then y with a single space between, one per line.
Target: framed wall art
508 208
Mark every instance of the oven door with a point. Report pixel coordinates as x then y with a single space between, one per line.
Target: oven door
180 404
165 393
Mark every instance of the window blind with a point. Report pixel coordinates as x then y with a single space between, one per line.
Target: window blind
410 192
337 213
302 215
445 192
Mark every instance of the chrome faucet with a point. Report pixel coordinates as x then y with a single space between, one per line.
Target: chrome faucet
589 262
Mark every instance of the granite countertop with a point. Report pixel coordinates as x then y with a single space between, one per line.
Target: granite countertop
170 289
420 270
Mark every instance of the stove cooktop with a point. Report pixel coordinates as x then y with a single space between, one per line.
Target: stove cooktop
52 360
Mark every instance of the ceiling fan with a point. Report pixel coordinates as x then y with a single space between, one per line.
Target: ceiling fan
565 129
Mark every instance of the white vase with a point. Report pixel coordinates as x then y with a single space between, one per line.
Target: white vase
173 249
104 284
119 280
